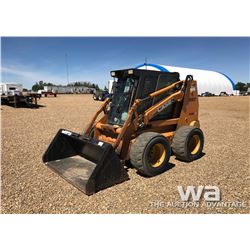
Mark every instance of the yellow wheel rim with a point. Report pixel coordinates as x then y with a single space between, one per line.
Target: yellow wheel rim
194 144
157 155
195 124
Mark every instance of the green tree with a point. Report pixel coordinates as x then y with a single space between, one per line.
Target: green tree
38 85
97 87
241 86
48 84
84 84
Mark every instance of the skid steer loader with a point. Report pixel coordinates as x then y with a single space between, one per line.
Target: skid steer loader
151 115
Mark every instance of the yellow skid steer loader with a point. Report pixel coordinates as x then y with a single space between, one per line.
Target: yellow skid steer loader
150 115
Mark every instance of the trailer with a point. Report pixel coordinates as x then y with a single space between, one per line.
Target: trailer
110 86
47 93
68 89
12 94
10 88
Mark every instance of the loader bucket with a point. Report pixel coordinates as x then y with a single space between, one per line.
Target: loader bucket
88 164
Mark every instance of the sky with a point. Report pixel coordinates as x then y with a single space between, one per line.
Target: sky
28 60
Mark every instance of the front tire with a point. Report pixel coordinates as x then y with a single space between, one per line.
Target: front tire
187 144
150 153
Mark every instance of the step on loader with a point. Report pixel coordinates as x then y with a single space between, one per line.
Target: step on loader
151 115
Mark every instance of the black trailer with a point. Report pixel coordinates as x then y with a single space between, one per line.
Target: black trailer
27 99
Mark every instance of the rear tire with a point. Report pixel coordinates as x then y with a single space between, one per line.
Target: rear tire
150 153
187 144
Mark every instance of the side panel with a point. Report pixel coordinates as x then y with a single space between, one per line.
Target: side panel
190 106
151 82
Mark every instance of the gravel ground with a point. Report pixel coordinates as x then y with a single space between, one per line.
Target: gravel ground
28 186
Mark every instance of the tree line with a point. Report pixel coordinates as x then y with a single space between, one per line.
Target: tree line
40 85
241 86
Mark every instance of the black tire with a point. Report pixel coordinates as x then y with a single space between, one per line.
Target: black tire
141 153
94 97
187 144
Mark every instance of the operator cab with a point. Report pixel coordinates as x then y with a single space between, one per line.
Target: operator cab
132 84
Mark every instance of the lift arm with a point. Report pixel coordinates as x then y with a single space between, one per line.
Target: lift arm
159 107
101 109
163 104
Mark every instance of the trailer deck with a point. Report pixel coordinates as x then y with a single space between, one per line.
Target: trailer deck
29 99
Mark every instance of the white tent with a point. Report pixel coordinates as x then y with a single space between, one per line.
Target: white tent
208 81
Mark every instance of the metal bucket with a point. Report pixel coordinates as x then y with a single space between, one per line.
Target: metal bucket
88 164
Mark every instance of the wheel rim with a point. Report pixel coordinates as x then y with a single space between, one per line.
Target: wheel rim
194 144
157 155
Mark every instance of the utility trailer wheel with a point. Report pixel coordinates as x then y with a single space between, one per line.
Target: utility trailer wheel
150 153
188 143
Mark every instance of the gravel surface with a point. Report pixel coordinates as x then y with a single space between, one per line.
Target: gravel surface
28 186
